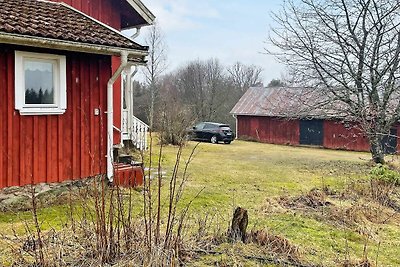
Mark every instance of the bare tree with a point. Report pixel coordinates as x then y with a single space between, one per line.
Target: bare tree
175 117
351 49
244 76
157 64
198 91
203 86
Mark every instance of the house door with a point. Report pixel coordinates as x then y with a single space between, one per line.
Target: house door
389 142
311 132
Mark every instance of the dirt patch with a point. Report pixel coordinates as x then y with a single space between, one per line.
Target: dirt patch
275 244
314 199
362 263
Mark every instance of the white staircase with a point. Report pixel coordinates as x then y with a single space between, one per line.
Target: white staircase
135 130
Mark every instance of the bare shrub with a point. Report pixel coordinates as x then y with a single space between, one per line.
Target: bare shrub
175 117
103 227
277 245
314 199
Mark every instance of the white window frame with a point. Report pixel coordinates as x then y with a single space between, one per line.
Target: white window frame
59 79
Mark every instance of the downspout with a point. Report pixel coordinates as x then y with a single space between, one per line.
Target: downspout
128 95
136 34
127 88
236 130
129 98
110 115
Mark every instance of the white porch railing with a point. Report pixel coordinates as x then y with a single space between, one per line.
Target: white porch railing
135 130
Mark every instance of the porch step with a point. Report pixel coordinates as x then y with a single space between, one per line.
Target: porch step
127 175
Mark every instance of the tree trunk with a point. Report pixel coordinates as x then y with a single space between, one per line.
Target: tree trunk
239 225
378 155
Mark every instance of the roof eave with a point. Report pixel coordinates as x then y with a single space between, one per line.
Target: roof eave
251 114
42 42
98 21
143 11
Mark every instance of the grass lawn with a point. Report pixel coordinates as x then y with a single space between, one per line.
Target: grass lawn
254 176
247 174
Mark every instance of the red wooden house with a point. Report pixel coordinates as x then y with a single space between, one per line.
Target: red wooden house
60 92
290 116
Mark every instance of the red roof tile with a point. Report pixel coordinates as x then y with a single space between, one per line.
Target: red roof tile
38 18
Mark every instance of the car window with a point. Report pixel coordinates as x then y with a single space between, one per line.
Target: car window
209 126
200 126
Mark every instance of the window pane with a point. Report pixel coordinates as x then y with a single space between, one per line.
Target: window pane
39 83
200 126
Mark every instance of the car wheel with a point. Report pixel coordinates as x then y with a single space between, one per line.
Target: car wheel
214 139
227 142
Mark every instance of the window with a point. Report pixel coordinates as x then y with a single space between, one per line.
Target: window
40 83
200 126
210 126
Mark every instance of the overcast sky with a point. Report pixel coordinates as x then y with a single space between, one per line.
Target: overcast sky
230 30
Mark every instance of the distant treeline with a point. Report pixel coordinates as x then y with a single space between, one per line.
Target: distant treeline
39 97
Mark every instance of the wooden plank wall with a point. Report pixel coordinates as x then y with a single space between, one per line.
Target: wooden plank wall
108 12
59 147
269 130
337 134
344 135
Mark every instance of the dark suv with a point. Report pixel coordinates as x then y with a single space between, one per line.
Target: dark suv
212 132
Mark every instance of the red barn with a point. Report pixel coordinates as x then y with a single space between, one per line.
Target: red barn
285 116
60 92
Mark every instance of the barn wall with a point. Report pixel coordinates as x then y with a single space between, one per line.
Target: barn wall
58 147
269 130
337 134
344 135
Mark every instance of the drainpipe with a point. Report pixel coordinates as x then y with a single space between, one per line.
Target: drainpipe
110 114
128 87
236 130
136 34
129 97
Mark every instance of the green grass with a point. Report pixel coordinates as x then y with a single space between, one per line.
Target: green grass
246 174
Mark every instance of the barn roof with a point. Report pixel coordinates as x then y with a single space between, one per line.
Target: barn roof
290 102
54 21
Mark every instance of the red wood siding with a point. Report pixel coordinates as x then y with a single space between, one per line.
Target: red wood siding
337 134
106 11
269 130
59 147
128 176
344 135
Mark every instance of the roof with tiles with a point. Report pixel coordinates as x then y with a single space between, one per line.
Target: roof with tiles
58 21
289 102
